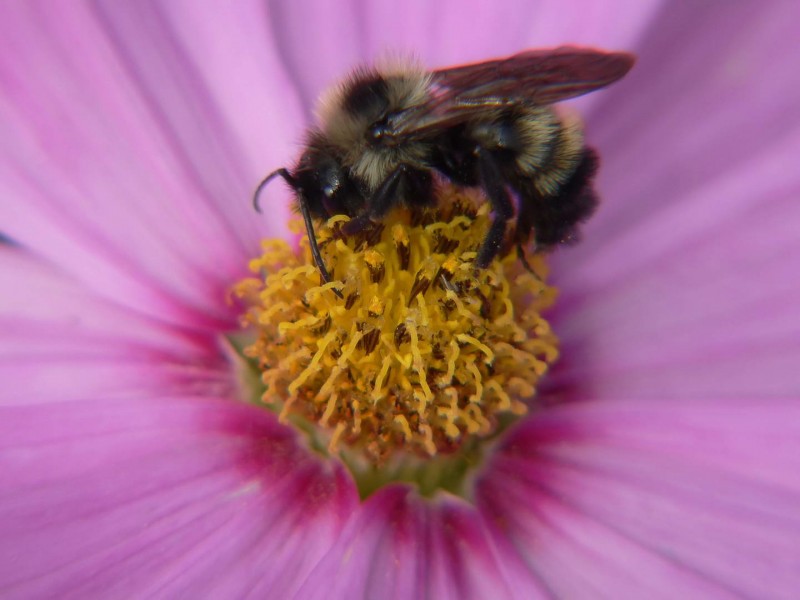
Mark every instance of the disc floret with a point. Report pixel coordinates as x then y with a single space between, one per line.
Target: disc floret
422 352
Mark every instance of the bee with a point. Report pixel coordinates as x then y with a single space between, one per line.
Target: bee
385 132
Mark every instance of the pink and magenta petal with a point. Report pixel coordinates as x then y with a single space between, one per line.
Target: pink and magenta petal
119 164
668 499
62 342
127 472
169 496
401 546
441 33
684 285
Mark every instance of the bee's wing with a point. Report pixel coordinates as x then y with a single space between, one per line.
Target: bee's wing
534 77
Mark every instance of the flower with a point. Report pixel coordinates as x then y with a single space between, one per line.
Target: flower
665 460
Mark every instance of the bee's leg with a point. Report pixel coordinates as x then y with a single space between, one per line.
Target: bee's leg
303 202
494 186
404 180
377 206
312 239
524 260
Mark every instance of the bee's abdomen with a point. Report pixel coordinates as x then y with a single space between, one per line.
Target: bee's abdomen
554 219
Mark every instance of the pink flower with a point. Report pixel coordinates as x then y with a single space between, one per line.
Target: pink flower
667 460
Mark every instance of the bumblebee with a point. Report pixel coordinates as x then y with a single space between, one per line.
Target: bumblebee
385 132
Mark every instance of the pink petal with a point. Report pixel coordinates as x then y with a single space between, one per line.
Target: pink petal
126 473
120 164
632 499
685 284
441 33
399 546
695 112
468 31
168 496
318 41
222 92
61 342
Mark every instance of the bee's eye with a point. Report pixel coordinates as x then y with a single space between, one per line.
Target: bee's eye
366 97
378 129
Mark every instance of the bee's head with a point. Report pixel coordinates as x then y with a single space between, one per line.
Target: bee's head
357 118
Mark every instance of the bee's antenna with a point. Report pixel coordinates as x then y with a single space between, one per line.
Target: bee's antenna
282 172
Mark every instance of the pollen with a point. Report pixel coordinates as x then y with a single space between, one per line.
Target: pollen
419 352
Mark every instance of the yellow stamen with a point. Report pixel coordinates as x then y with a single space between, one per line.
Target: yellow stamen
420 352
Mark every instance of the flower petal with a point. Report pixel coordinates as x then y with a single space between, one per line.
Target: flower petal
716 317
119 164
61 342
401 546
169 496
685 283
318 41
125 473
696 112
441 33
216 81
631 499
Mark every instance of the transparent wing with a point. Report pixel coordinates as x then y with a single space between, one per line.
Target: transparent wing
533 77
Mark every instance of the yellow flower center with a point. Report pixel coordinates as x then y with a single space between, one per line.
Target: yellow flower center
421 354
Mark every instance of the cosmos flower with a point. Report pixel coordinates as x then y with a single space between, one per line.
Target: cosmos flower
665 460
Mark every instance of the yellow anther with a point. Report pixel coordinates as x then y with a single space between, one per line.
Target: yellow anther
421 352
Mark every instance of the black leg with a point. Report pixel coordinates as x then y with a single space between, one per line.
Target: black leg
494 185
379 204
301 199
524 260
312 238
